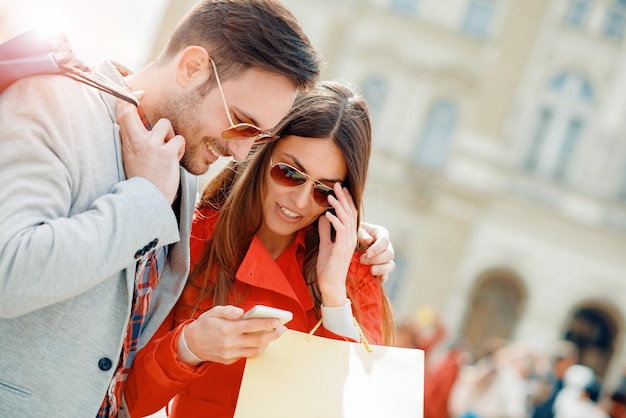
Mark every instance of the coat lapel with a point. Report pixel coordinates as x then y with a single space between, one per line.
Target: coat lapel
260 270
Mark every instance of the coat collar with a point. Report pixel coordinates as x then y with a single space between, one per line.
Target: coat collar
259 269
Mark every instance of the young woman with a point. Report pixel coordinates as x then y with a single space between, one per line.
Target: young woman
278 230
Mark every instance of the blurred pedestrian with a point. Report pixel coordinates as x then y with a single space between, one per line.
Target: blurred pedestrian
566 354
496 386
579 396
440 373
617 404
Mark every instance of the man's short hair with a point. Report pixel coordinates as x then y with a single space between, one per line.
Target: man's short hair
243 34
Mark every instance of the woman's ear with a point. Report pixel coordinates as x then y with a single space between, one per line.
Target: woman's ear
193 63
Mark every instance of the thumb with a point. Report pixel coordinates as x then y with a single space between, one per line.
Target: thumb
364 237
226 312
139 94
177 142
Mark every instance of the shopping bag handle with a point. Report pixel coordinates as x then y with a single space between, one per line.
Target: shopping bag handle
358 328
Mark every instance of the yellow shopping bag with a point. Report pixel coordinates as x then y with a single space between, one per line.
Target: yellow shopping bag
304 376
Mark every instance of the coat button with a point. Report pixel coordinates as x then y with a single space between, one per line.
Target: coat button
105 364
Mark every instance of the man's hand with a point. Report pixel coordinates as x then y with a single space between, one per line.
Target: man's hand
153 155
380 254
220 335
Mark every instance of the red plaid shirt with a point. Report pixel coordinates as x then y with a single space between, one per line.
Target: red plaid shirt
149 271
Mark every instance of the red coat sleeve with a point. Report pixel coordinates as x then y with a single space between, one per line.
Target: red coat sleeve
366 294
157 375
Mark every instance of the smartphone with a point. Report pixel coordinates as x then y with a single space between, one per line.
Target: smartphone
262 311
332 228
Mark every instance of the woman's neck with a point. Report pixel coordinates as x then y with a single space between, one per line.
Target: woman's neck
274 243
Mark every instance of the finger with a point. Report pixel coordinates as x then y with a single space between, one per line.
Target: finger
262 341
131 126
378 253
225 312
380 247
177 143
256 325
343 198
383 270
344 206
323 228
351 210
347 200
336 223
382 278
263 338
139 94
163 129
364 237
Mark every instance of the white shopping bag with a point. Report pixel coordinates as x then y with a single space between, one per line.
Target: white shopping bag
303 376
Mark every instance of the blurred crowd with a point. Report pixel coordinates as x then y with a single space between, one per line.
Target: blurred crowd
506 380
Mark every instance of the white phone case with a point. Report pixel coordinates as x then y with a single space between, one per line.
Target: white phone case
262 311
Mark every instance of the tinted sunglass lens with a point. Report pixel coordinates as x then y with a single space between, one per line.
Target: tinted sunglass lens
286 175
289 176
241 131
321 193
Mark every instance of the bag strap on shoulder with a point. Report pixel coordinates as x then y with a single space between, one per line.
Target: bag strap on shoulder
32 53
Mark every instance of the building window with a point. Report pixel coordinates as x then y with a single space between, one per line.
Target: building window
565 106
407 7
569 143
375 92
434 141
578 12
539 138
615 19
478 18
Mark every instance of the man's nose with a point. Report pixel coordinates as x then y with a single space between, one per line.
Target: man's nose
240 148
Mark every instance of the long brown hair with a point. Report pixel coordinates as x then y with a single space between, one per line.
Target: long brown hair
333 111
243 34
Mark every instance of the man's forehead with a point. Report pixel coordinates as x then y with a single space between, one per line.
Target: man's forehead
262 97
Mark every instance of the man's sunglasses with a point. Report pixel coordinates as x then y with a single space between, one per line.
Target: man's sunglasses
289 176
242 130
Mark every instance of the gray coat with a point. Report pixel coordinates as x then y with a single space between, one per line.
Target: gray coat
70 225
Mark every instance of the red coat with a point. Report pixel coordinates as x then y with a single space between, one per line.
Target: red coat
211 389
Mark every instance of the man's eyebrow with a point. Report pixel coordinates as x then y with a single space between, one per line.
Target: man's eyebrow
243 114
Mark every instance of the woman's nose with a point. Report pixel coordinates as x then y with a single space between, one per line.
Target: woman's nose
303 194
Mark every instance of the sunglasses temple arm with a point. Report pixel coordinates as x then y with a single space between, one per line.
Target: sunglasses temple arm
219 85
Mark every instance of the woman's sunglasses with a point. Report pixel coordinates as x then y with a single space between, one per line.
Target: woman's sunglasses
242 130
289 176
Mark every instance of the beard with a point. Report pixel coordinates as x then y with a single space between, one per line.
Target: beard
183 112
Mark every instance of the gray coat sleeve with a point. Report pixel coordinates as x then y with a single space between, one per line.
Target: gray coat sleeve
68 217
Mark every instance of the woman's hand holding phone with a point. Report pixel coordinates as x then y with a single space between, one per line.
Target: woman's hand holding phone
334 256
222 336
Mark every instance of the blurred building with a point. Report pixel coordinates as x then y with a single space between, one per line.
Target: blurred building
499 164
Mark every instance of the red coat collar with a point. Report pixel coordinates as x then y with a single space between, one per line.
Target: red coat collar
259 269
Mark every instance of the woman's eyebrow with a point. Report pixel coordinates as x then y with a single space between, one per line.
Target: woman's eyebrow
299 165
